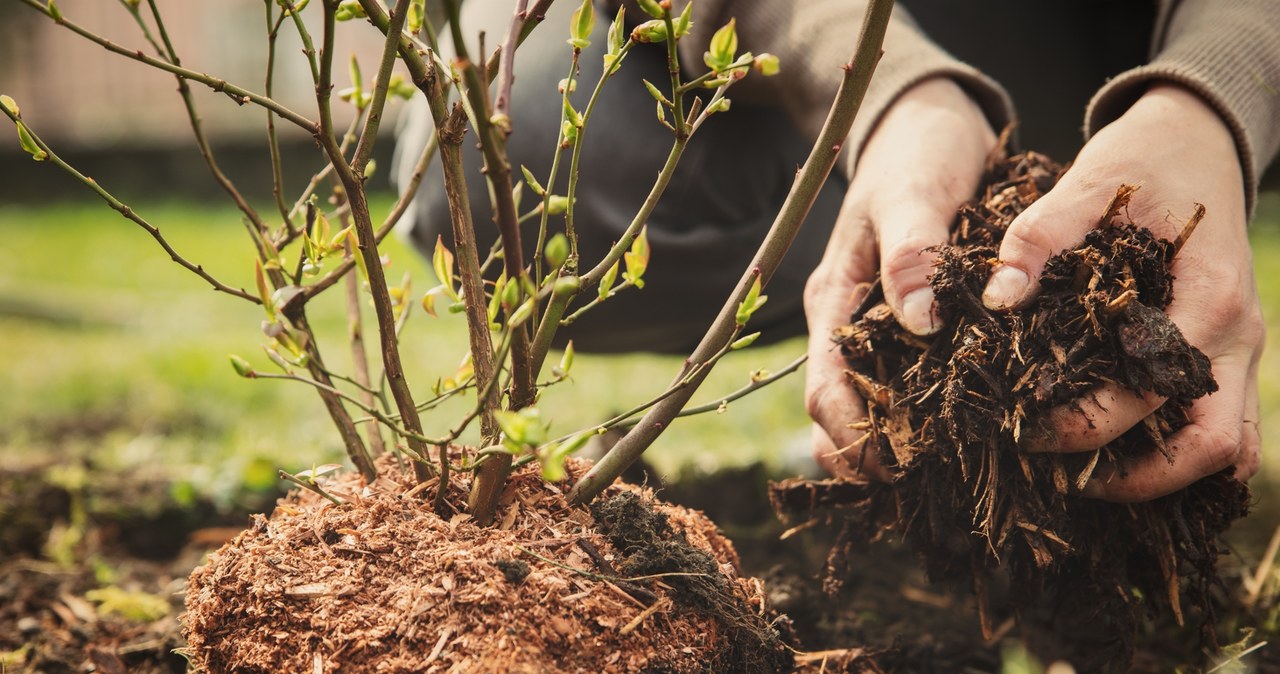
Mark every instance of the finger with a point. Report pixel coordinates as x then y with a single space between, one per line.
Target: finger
1250 459
1057 221
835 408
1214 440
1092 421
828 455
906 262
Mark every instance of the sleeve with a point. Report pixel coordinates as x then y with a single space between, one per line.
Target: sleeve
1228 52
813 39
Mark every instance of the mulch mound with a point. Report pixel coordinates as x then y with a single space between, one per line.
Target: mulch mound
946 415
384 584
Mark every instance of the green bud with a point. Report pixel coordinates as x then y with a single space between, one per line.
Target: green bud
566 83
566 361
653 91
532 182
571 115
556 250
724 44
567 286
29 143
510 294
348 10
570 133
650 31
398 86
54 12
744 342
581 25
685 22
766 64
617 34
721 105
371 167
651 7
557 205
417 10
11 105
290 8
522 314
242 367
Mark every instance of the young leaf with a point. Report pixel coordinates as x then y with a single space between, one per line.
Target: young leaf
566 362
442 265
617 36
9 104
637 259
417 10
724 44
54 12
581 25
685 22
572 115
264 292
606 281
354 242
348 10
29 144
753 301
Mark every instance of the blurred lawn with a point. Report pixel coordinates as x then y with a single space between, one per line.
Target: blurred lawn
111 349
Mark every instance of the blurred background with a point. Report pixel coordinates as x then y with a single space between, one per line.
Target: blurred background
113 355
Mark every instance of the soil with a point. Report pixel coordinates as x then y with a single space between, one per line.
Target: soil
1075 577
382 583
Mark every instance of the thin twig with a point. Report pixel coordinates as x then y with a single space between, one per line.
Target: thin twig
238 94
821 159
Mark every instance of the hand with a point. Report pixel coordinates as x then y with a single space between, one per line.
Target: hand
1179 151
923 160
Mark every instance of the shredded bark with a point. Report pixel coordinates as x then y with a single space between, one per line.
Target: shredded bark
383 584
947 415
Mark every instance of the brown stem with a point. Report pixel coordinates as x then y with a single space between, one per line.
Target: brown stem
506 64
368 245
359 355
857 75
351 439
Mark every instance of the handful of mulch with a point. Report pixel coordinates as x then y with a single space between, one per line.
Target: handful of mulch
946 415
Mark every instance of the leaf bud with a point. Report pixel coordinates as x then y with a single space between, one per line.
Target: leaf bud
651 7
766 64
242 367
650 31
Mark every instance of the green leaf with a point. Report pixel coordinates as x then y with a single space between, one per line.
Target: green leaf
581 25
417 10
685 22
753 301
566 362
132 605
524 427
724 44
522 313
264 292
532 182
637 259
571 115
652 8
607 281
356 253
442 265
617 35
399 86
29 143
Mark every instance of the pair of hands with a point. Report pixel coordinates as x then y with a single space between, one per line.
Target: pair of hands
926 157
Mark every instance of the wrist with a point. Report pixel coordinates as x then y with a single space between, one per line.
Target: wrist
1186 116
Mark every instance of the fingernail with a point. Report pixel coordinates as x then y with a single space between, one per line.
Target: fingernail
917 312
1005 289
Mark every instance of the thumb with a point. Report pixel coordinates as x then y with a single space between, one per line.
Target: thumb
1057 221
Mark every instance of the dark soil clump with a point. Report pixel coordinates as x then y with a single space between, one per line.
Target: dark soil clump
949 416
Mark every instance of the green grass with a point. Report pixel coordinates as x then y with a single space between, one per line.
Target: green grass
112 350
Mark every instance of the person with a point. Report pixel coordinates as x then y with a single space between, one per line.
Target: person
1194 119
